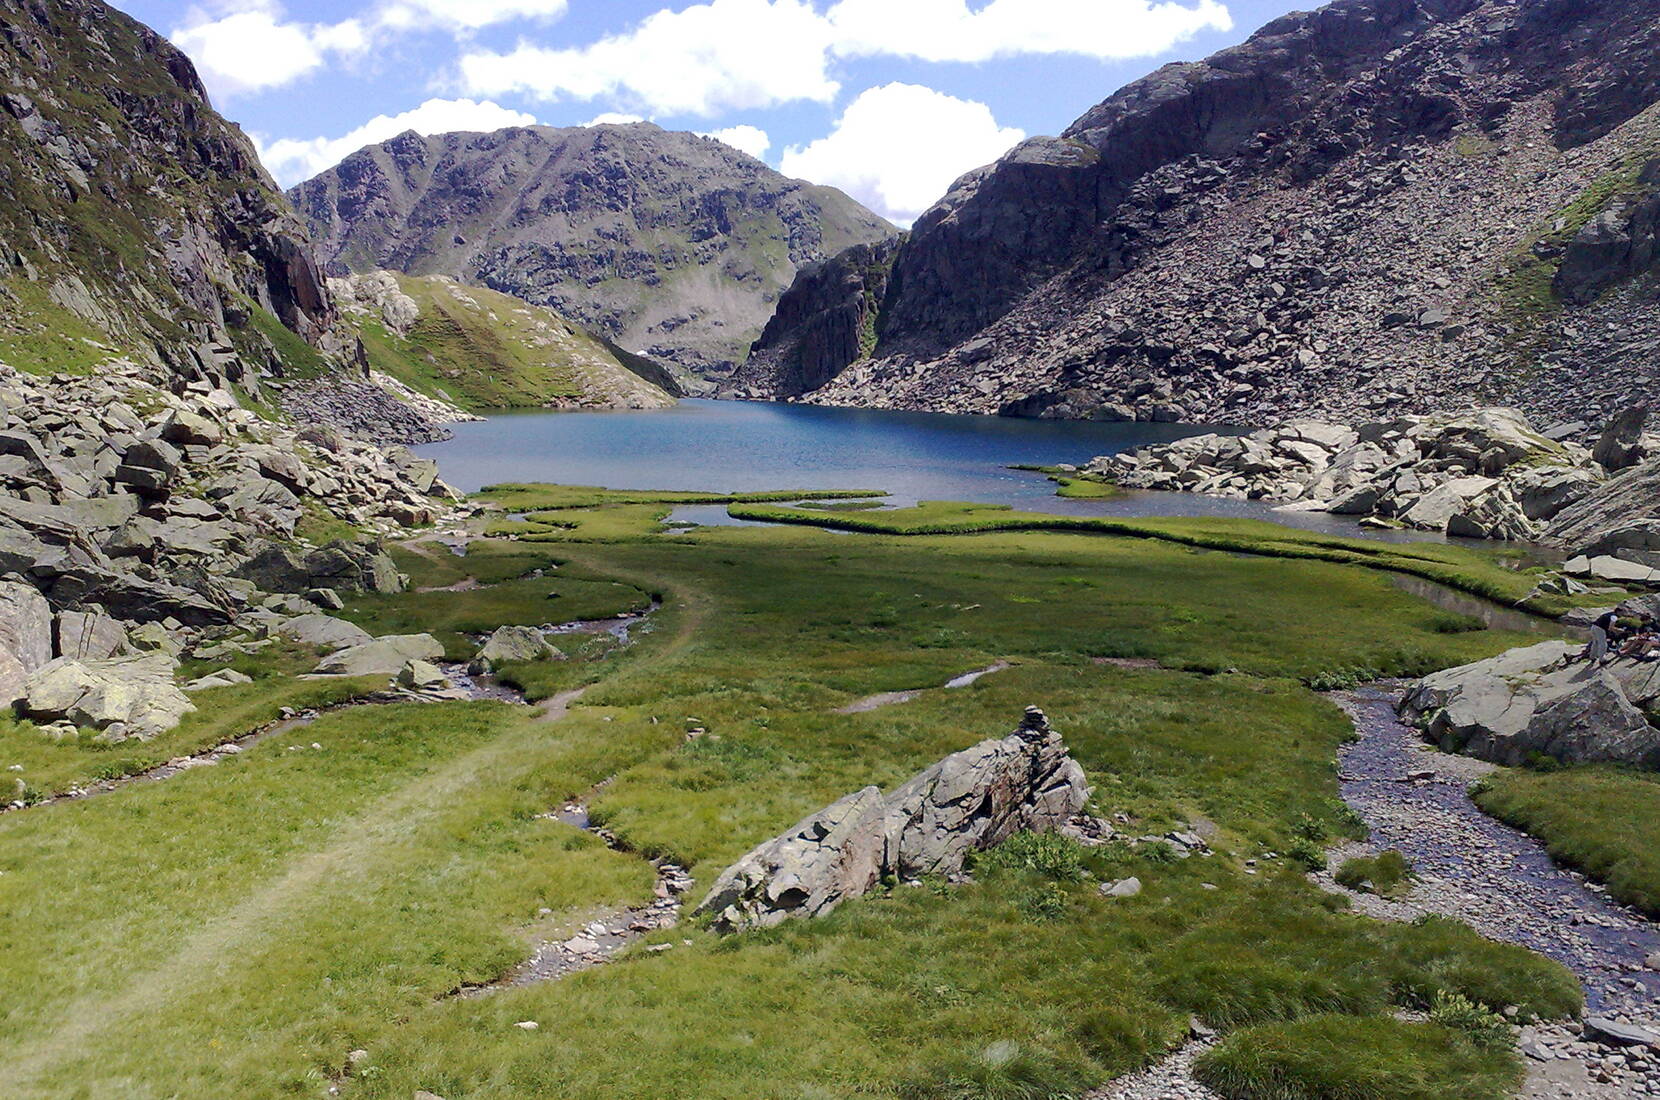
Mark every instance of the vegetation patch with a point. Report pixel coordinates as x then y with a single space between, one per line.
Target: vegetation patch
1603 820
1386 874
1477 572
1339 1057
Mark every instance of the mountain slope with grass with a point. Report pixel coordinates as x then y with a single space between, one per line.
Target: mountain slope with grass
482 350
1381 206
137 222
670 244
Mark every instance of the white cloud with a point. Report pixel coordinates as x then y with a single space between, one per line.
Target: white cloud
738 54
948 30
243 46
613 118
254 48
465 14
291 160
750 139
899 147
701 60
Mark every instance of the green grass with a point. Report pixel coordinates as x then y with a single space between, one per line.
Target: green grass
1478 572
237 930
545 498
1601 819
1386 874
222 714
1339 1057
39 336
300 360
484 350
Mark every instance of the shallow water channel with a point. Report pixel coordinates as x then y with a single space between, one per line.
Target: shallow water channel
1479 870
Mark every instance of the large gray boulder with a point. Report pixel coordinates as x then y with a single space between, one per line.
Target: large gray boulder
129 697
1539 700
968 802
343 566
25 637
90 635
323 631
508 644
382 656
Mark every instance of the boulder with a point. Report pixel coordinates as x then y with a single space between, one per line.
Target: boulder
826 858
323 631
1537 700
382 656
508 644
225 677
343 566
188 429
25 637
423 676
128 697
968 802
1621 444
89 635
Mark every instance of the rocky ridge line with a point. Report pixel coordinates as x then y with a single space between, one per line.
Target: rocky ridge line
1380 207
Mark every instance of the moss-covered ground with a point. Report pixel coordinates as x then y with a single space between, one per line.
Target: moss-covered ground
237 930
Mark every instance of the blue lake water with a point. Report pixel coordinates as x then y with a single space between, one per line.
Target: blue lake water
734 446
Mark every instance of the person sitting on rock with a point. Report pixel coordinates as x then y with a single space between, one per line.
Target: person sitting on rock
1602 637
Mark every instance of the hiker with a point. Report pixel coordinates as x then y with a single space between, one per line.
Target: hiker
1602 636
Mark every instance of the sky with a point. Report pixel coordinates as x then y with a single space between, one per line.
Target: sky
890 100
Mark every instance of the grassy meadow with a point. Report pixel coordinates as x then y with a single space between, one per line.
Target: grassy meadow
239 930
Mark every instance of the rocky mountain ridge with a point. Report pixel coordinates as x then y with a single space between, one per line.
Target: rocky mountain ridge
138 222
1381 206
670 244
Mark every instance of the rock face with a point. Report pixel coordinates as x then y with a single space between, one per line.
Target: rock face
968 802
1363 210
137 212
829 317
670 244
1525 702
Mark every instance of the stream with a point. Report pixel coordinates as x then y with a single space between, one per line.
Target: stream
1473 867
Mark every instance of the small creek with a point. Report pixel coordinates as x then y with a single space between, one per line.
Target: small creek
1497 879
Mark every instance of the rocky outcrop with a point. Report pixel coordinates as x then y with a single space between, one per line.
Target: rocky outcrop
128 697
1483 474
384 656
1376 208
142 219
829 318
1542 701
670 244
139 520
1620 243
472 348
968 802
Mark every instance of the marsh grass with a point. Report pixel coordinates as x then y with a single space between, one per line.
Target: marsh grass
1601 819
1339 1057
1468 570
